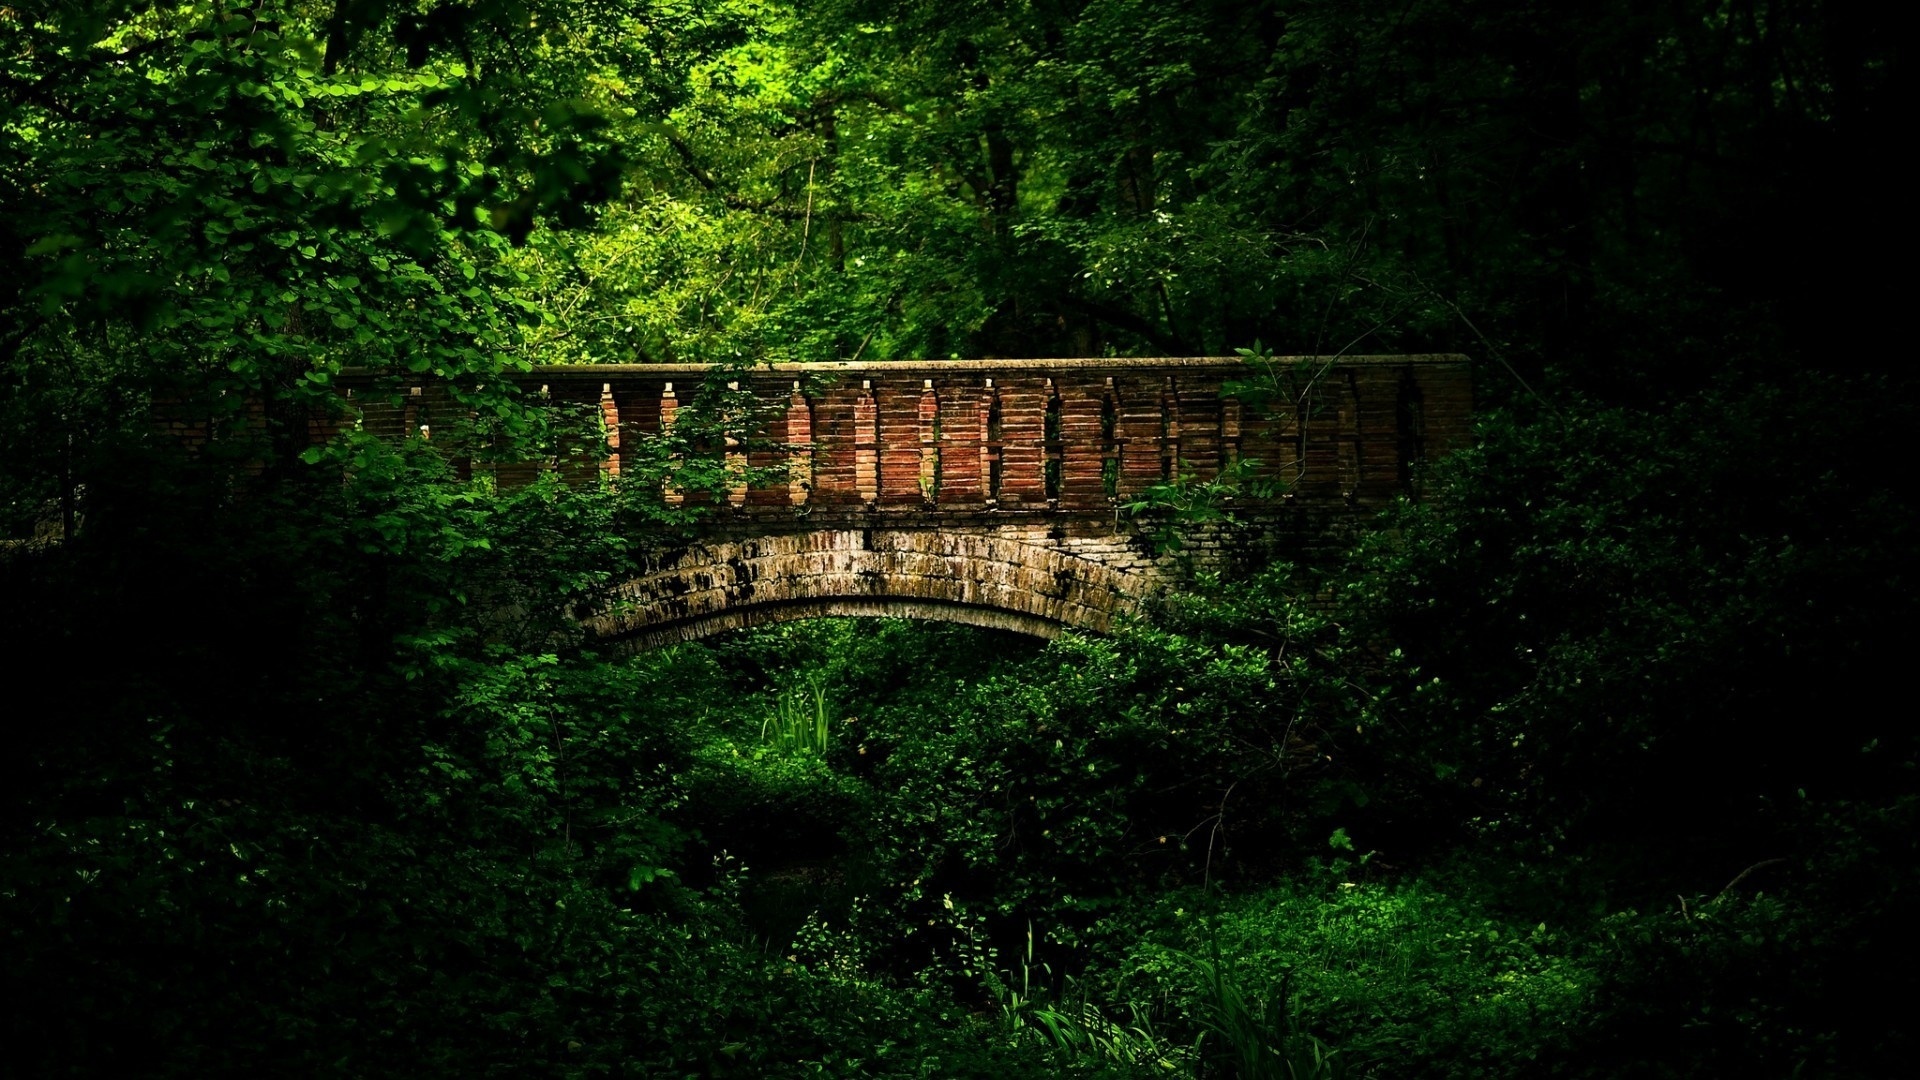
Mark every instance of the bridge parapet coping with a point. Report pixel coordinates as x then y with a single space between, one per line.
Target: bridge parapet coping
996 366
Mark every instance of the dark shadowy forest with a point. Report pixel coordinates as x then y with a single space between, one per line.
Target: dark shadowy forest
1585 762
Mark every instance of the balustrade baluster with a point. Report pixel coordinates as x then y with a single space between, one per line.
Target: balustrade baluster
866 449
669 414
610 429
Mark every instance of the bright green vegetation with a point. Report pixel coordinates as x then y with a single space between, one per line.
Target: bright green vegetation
798 721
1589 760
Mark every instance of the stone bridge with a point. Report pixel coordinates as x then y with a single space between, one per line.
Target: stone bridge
990 492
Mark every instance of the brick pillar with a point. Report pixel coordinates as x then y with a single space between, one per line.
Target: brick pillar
897 412
410 418
1110 440
1199 405
1278 442
961 445
834 471
1140 424
1445 395
1346 436
1083 443
1023 438
1325 423
1229 433
1377 393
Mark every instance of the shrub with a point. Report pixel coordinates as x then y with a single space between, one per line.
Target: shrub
1401 977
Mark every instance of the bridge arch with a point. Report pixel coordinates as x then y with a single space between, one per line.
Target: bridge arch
978 578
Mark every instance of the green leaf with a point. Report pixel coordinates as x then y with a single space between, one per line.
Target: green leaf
55 242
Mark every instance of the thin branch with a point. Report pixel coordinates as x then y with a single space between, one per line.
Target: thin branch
863 343
1491 350
689 161
1742 876
806 224
1219 824
1344 349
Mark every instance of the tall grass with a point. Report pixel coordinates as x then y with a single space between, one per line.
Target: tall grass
1256 1038
1248 1038
798 721
1079 1032
1084 1033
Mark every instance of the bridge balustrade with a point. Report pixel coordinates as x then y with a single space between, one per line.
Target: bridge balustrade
1074 435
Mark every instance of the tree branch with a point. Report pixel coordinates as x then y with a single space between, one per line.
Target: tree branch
788 213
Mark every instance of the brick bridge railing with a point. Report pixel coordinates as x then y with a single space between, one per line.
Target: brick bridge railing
987 491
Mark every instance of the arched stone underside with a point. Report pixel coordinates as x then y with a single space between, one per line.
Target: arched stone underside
846 607
975 578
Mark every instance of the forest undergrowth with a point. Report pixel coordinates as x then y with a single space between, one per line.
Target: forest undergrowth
1504 795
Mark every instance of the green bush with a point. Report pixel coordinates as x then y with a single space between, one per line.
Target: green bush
1798 966
1402 978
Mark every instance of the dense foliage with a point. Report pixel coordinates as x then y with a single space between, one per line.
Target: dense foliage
1586 762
